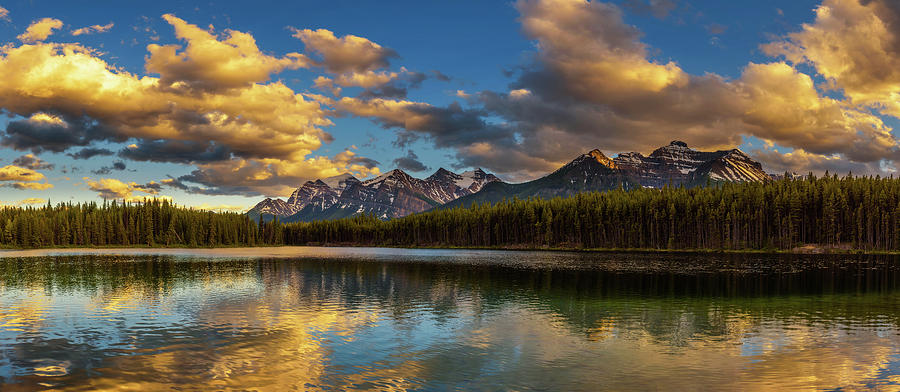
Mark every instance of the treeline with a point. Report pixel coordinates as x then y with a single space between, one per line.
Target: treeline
849 212
153 223
857 212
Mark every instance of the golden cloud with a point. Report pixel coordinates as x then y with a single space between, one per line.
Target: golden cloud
39 30
210 96
853 44
366 79
786 108
23 178
211 63
111 188
93 29
36 186
347 54
4 14
15 173
591 68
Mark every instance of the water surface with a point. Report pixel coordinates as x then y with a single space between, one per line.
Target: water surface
396 319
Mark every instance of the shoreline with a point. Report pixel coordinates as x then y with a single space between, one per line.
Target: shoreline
806 250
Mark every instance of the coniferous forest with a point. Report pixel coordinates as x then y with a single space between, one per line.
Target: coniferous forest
849 212
154 223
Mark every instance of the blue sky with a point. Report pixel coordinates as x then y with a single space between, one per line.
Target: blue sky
492 61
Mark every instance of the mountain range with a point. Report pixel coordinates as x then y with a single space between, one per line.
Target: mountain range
390 195
395 193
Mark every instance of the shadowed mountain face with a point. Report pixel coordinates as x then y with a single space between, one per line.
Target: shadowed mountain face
391 195
396 193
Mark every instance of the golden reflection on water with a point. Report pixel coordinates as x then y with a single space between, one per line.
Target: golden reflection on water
25 312
291 326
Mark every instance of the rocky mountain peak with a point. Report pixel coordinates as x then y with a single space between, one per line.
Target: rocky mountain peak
674 149
391 176
442 174
270 206
340 181
602 159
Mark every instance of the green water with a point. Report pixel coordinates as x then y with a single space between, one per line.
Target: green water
394 319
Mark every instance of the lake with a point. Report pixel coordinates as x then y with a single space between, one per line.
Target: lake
275 319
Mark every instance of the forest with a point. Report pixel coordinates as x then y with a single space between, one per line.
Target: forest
153 223
831 212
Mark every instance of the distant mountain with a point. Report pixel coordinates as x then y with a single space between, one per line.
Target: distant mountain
390 195
271 206
675 164
396 193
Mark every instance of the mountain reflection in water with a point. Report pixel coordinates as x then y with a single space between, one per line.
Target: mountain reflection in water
468 320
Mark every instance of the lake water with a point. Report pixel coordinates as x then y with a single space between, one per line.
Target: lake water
393 319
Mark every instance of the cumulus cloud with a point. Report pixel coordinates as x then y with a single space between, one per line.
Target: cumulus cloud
94 29
111 188
4 14
357 62
410 162
374 84
15 173
22 178
855 44
39 30
32 162
347 54
786 108
367 79
211 63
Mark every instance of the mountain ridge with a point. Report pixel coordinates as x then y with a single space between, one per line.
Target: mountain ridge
396 193
389 195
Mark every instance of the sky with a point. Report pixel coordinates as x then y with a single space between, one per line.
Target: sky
219 104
